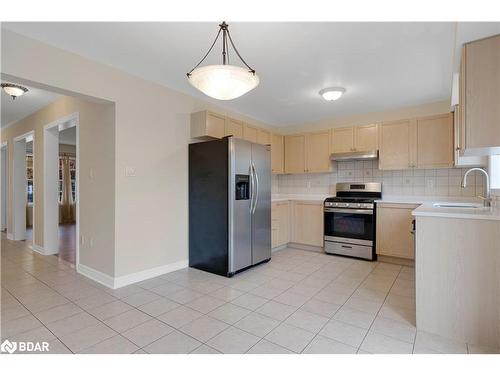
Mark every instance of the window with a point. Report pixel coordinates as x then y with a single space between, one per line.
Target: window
72 172
29 177
495 171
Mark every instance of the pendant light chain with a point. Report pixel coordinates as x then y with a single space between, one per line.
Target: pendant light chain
224 27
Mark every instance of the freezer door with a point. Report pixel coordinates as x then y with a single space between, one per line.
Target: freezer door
261 212
240 223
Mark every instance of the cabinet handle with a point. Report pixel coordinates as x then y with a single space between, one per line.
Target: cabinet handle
458 148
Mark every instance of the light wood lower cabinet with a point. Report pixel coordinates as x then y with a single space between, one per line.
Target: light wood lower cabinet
394 224
307 223
280 221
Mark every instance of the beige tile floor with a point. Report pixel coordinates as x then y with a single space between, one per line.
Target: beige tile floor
299 302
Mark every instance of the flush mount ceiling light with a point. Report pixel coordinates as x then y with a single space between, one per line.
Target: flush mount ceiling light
223 82
14 90
332 93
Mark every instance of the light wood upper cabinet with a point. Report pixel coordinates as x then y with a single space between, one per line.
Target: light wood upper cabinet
479 97
307 219
366 137
318 152
395 149
207 124
342 140
295 161
280 219
234 128
355 138
394 225
307 152
277 153
435 141
263 137
250 133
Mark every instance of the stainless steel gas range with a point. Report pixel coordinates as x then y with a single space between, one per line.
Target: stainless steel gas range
349 220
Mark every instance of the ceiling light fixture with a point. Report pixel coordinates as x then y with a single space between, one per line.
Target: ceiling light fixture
223 82
14 90
332 93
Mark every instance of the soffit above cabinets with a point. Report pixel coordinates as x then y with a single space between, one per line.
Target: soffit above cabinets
383 66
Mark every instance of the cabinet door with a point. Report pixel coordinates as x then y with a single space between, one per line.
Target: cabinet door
482 94
215 125
284 223
435 141
342 140
394 236
366 137
274 224
395 145
234 128
250 133
263 137
295 153
277 153
318 152
308 223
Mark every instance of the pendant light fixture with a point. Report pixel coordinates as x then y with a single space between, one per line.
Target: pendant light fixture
223 82
14 90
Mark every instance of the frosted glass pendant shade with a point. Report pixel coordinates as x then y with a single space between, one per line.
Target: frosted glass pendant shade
223 82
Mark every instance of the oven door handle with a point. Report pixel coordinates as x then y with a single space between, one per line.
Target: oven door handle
349 211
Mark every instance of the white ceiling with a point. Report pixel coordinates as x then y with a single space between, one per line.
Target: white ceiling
23 106
382 65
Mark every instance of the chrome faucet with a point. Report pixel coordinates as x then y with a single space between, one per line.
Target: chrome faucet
487 198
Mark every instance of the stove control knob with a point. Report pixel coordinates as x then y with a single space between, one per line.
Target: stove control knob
359 204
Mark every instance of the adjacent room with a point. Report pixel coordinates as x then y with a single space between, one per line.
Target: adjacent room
276 188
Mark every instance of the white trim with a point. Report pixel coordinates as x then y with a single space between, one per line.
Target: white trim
119 282
4 144
148 274
10 236
24 136
278 248
95 275
39 249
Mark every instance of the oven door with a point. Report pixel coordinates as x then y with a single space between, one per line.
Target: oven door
349 225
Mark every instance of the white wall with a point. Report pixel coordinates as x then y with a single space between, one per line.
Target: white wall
151 135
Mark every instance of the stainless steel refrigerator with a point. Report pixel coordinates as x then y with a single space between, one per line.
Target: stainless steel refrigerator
229 205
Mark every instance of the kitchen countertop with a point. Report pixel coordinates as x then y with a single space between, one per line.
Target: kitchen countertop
483 213
299 197
409 199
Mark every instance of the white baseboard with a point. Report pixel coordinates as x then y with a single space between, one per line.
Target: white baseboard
41 250
95 275
10 236
121 281
278 248
148 274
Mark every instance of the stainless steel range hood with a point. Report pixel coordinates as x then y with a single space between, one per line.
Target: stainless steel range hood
354 155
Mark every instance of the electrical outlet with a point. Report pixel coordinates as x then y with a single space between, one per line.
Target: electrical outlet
91 242
82 240
129 171
91 173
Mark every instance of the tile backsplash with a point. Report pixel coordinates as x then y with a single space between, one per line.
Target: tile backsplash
419 182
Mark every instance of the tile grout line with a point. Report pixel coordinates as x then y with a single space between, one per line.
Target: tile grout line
342 305
378 312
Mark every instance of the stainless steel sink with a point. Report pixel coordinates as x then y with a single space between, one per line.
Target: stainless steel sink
458 205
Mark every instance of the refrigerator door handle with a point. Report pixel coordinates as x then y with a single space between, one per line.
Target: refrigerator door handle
256 188
252 187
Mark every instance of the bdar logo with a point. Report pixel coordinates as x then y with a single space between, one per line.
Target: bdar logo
9 347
